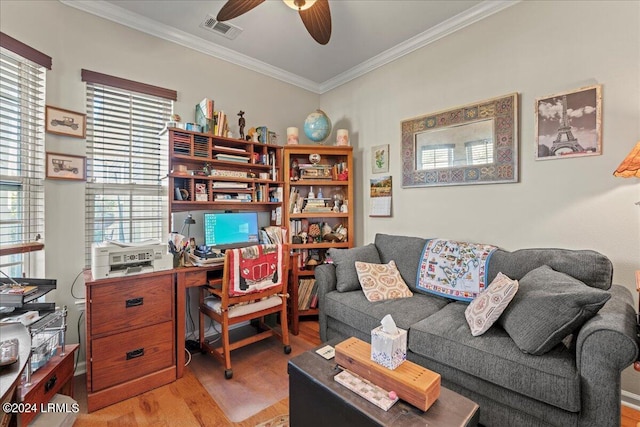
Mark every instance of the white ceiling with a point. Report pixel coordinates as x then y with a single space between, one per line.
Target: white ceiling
365 33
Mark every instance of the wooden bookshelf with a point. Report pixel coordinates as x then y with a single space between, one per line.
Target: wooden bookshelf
331 176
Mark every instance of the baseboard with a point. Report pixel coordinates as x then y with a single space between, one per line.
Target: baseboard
631 400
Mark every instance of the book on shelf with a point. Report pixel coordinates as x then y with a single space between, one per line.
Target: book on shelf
221 126
231 158
230 184
204 115
276 216
226 197
306 289
223 147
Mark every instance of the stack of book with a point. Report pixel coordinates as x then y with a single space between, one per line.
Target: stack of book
230 184
307 294
317 205
221 126
225 197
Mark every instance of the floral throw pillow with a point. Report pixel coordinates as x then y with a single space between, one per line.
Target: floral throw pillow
381 281
487 307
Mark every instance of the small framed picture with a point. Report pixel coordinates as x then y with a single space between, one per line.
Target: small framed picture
569 124
380 158
66 166
65 122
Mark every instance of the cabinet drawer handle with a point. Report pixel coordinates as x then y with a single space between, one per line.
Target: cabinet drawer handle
50 383
134 302
138 352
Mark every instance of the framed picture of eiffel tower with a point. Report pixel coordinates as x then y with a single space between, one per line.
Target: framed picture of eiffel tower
569 124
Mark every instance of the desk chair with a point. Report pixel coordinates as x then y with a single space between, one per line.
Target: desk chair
253 284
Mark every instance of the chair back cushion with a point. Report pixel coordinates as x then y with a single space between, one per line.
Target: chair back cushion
254 268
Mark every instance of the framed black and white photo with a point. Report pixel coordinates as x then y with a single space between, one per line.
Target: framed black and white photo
66 166
569 124
65 122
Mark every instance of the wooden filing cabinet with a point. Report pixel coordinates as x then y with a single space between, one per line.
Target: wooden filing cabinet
131 336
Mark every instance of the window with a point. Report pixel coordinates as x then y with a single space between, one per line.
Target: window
126 195
479 152
436 156
22 102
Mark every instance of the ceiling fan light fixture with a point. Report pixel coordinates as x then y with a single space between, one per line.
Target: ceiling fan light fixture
299 4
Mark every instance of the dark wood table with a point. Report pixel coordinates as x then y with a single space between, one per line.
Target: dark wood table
316 399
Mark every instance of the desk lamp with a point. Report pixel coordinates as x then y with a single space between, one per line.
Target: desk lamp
187 223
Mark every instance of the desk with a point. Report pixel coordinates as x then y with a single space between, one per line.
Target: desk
188 277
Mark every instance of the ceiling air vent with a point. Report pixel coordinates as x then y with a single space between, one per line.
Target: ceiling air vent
222 28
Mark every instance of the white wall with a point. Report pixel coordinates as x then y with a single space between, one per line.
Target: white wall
535 48
77 40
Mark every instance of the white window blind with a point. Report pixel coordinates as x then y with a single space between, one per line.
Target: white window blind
479 152
436 156
126 195
22 102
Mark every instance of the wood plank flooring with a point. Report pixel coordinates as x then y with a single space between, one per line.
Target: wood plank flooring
183 403
186 403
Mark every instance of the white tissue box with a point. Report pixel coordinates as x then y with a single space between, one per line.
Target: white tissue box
388 350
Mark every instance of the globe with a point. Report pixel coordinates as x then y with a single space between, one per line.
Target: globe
317 126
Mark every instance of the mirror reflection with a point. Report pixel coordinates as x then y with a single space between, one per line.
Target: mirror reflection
467 144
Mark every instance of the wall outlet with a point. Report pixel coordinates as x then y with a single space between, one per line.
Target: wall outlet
80 304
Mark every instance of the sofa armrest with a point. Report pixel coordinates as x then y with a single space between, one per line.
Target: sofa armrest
605 345
325 275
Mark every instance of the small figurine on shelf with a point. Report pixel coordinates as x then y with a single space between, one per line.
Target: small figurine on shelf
294 173
241 123
311 194
320 195
206 169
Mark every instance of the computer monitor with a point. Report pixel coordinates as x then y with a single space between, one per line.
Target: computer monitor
230 229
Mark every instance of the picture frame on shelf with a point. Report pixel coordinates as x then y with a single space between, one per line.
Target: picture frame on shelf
380 158
65 122
569 124
66 166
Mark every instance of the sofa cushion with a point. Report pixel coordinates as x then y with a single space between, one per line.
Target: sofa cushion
381 281
345 259
483 311
355 310
406 251
590 267
445 338
549 306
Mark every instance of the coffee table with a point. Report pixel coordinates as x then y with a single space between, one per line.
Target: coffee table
316 399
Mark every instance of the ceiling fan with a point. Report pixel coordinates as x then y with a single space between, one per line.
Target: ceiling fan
315 14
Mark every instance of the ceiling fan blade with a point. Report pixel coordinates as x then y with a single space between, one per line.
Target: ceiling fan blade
234 8
317 20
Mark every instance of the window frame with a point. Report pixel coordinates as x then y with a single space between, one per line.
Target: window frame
103 192
29 171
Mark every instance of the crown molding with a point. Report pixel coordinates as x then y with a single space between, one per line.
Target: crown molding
445 28
116 14
119 15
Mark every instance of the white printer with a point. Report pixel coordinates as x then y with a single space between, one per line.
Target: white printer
115 259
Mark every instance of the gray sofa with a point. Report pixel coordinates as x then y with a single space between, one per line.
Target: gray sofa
576 383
